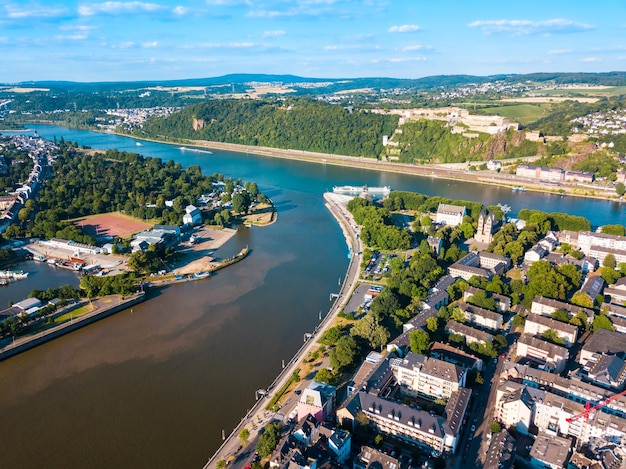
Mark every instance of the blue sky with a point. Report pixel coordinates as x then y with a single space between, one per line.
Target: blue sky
163 39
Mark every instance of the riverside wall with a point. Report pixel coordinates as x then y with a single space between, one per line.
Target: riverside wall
57 331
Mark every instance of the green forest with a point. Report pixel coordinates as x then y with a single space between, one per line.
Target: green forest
299 124
89 183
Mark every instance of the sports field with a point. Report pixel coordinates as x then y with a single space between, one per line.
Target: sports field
111 224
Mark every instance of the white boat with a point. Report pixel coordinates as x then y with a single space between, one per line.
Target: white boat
139 144
202 274
385 190
197 150
13 274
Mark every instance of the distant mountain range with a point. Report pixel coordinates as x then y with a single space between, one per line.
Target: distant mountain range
616 78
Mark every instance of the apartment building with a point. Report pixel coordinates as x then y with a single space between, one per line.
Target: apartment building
426 376
551 356
537 325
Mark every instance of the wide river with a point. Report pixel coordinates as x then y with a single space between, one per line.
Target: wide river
155 386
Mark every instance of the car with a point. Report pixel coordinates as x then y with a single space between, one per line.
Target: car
297 392
473 429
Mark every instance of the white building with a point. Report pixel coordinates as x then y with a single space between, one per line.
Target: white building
450 214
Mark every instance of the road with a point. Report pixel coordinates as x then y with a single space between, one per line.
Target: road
232 448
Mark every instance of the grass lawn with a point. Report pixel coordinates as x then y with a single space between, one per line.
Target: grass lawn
73 314
524 113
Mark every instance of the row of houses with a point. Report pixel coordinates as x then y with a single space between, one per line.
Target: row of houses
542 173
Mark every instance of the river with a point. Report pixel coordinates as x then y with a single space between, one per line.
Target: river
155 386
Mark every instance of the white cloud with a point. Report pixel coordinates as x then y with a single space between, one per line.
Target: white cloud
413 47
124 45
406 59
273 33
149 45
405 28
559 51
180 10
223 45
590 59
525 27
118 8
32 11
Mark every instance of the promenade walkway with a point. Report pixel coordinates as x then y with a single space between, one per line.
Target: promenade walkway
258 416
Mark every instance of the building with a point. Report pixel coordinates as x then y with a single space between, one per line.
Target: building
469 333
503 303
192 215
540 173
550 451
374 374
455 355
608 371
434 243
537 325
450 214
411 425
600 252
617 292
546 306
501 452
484 230
318 400
481 316
535 254
483 264
417 427
602 342
436 300
579 176
425 376
551 356
370 457
514 406
588 239
592 287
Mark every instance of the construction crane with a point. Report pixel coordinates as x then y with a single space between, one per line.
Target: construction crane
588 409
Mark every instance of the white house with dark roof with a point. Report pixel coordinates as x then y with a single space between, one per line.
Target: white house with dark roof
420 375
469 333
537 325
552 356
481 316
602 342
450 214
546 306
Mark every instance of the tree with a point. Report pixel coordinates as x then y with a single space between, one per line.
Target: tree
551 336
369 329
269 439
221 464
582 299
325 376
344 353
609 261
244 435
480 299
496 427
620 189
519 320
600 321
419 341
561 315
241 202
432 323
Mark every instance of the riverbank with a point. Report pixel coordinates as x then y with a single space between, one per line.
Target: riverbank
442 171
259 416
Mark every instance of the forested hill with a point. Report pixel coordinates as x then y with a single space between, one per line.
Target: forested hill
298 125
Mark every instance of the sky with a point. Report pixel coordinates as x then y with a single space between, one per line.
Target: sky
89 41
